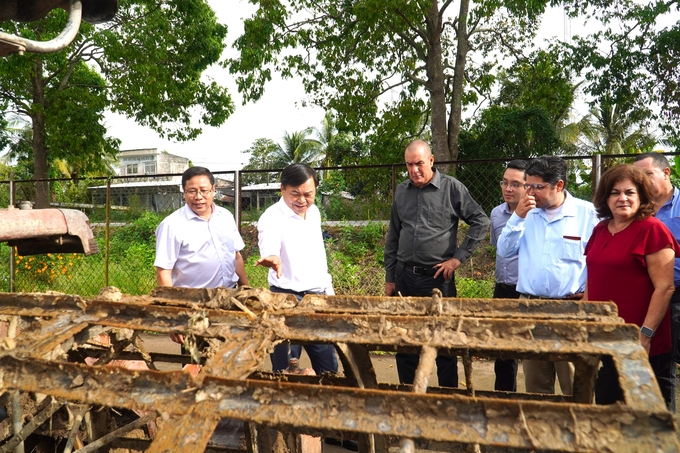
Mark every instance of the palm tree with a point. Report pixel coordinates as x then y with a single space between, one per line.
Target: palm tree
298 147
614 131
326 136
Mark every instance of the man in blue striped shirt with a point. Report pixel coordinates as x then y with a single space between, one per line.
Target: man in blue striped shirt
506 268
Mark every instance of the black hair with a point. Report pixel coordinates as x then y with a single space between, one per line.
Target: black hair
550 169
192 172
658 160
517 164
295 175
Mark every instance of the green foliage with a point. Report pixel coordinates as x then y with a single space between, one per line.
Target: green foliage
140 232
257 275
630 60
469 288
350 54
538 81
261 153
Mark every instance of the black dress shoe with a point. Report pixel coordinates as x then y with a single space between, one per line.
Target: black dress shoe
347 444
352 445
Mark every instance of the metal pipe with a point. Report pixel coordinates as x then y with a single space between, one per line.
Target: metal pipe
75 428
65 38
108 232
120 432
17 422
237 199
12 255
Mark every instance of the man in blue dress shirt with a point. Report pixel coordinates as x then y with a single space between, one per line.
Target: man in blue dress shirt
549 231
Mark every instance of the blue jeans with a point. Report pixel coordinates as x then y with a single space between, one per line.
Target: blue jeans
322 356
409 284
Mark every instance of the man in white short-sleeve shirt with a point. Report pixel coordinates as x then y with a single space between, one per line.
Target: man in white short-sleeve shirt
291 245
198 246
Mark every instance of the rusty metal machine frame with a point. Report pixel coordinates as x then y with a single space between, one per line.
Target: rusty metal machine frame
246 324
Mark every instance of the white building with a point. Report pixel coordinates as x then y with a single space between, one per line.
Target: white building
150 161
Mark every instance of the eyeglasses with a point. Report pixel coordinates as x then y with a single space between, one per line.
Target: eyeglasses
536 187
193 193
513 185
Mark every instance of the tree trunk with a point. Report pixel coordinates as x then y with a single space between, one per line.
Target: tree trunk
38 142
435 83
462 49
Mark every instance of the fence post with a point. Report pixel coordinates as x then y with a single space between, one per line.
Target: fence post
108 232
394 180
597 171
12 253
237 199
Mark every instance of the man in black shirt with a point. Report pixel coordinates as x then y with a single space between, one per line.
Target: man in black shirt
421 251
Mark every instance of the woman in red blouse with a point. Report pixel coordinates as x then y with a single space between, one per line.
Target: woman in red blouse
630 259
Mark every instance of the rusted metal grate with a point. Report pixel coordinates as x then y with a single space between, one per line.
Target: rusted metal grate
242 326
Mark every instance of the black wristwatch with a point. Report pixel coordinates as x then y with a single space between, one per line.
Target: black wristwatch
646 331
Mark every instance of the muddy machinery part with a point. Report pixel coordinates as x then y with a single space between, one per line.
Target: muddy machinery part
93 11
36 231
242 326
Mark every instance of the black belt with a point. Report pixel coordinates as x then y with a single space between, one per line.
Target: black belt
531 296
576 296
417 269
276 289
507 286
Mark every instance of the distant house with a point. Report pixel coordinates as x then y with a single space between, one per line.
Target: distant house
150 161
151 192
257 196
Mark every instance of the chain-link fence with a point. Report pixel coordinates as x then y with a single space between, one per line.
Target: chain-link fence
124 212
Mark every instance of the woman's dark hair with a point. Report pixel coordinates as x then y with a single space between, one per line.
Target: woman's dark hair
192 172
620 173
297 174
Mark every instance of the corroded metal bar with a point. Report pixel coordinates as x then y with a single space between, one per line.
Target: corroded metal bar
239 356
48 342
357 361
422 306
517 335
447 418
188 433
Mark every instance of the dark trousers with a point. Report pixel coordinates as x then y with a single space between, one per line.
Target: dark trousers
675 325
608 390
322 356
505 369
409 284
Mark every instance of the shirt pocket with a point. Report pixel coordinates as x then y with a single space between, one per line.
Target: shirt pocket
439 218
572 249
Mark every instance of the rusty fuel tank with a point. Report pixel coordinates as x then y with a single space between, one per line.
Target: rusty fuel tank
47 231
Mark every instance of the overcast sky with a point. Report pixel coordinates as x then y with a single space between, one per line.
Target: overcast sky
279 109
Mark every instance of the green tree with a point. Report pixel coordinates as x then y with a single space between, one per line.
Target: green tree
630 61
351 55
145 64
261 157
